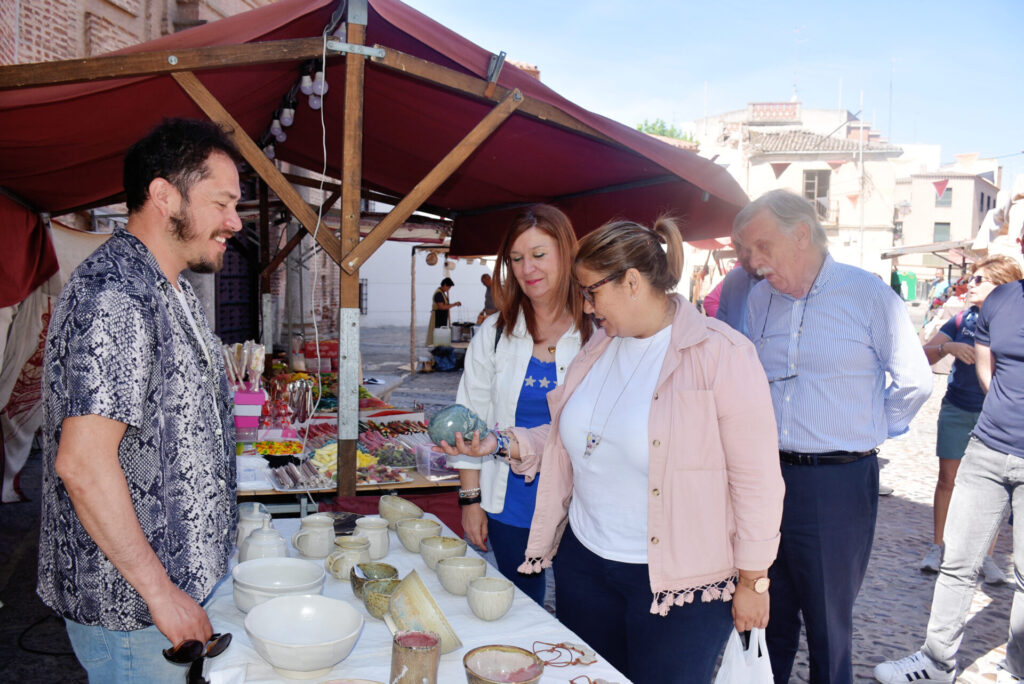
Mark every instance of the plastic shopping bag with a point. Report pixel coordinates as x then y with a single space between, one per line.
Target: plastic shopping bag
745 665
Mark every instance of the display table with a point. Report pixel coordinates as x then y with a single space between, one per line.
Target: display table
525 623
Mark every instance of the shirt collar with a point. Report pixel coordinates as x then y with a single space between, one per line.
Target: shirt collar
139 248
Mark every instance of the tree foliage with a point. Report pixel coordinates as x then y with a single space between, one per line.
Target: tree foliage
659 127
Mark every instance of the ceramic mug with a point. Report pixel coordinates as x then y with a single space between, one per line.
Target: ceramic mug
315 538
340 562
249 521
375 529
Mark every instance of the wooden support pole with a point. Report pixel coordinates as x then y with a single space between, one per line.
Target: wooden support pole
431 182
264 198
259 162
351 183
296 239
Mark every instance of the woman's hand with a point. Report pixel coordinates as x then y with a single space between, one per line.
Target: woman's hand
476 448
474 523
749 609
963 352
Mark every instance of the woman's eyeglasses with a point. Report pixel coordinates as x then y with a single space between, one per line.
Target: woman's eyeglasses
588 290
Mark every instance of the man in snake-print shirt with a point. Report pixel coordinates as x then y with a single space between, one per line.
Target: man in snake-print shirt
138 443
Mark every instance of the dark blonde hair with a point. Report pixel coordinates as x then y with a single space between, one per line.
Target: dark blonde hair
619 246
510 298
1001 269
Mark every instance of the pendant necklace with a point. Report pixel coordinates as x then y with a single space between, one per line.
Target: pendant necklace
594 438
551 350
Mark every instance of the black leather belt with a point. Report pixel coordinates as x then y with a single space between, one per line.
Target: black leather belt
827 458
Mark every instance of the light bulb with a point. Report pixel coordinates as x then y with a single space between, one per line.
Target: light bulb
319 84
306 85
280 137
287 116
315 102
275 127
269 151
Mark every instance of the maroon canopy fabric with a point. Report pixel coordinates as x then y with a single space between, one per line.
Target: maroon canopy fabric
28 258
62 146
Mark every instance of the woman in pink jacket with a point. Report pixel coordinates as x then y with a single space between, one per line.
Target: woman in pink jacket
660 488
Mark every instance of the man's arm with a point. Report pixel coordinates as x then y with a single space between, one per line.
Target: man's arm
983 365
900 354
87 463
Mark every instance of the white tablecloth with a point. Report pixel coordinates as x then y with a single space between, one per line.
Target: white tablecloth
525 623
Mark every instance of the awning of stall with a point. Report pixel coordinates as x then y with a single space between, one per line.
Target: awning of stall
956 252
61 147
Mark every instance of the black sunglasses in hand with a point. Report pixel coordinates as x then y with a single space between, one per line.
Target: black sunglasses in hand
191 650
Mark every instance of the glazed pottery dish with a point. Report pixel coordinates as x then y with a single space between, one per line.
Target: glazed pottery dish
456 573
394 508
376 530
315 538
413 608
434 549
341 562
490 597
452 419
361 573
412 530
262 579
303 637
377 595
497 664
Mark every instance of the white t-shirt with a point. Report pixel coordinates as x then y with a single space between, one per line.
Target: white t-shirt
608 512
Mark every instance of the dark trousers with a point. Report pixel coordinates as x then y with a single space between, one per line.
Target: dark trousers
608 604
509 546
828 525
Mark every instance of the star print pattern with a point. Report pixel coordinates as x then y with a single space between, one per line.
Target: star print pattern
529 381
544 382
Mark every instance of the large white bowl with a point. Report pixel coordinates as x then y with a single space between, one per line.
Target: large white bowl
261 579
303 637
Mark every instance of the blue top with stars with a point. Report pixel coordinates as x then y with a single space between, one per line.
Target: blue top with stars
531 411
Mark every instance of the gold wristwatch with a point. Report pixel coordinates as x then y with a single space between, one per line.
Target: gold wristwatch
759 585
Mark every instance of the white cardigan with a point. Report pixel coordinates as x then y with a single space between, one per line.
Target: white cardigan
490 386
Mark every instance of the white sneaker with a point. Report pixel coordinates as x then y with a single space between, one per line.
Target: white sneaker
933 559
913 668
884 490
992 574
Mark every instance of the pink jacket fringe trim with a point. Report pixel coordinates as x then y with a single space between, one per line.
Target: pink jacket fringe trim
532 566
664 600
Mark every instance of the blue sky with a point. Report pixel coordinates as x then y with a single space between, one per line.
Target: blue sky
956 68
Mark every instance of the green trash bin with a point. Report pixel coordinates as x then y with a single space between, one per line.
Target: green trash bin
908 285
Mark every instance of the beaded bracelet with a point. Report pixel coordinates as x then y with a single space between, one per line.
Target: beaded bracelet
502 450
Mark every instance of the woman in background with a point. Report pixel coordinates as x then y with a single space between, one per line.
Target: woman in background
515 358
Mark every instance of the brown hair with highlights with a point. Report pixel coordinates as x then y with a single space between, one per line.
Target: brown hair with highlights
509 297
621 245
1000 268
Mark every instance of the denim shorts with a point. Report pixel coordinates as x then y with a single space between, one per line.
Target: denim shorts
955 425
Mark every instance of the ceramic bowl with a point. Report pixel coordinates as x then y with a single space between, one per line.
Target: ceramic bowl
456 573
377 595
413 608
394 508
361 573
495 664
412 530
490 597
304 636
434 549
262 579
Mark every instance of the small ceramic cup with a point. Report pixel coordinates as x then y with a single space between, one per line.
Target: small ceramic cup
412 530
376 530
340 562
490 597
456 573
377 595
351 542
436 548
315 538
415 657
361 573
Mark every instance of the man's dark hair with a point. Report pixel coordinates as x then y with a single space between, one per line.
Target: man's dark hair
447 281
176 151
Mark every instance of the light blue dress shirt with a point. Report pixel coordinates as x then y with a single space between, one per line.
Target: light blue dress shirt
732 305
827 354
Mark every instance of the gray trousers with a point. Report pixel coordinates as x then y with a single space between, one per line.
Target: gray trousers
986 481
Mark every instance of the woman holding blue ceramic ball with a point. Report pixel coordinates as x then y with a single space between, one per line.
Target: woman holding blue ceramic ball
516 357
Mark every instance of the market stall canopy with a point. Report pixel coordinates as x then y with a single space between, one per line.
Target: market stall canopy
61 147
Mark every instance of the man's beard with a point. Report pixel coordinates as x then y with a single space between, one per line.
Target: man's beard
184 231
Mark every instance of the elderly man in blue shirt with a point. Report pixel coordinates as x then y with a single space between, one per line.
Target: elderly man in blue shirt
736 286
827 335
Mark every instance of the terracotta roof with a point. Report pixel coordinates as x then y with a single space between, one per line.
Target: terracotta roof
676 142
805 141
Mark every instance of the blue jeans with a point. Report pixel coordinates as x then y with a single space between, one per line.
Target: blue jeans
509 546
113 657
986 481
828 525
608 604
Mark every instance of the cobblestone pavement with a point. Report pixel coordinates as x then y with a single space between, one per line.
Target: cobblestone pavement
891 613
